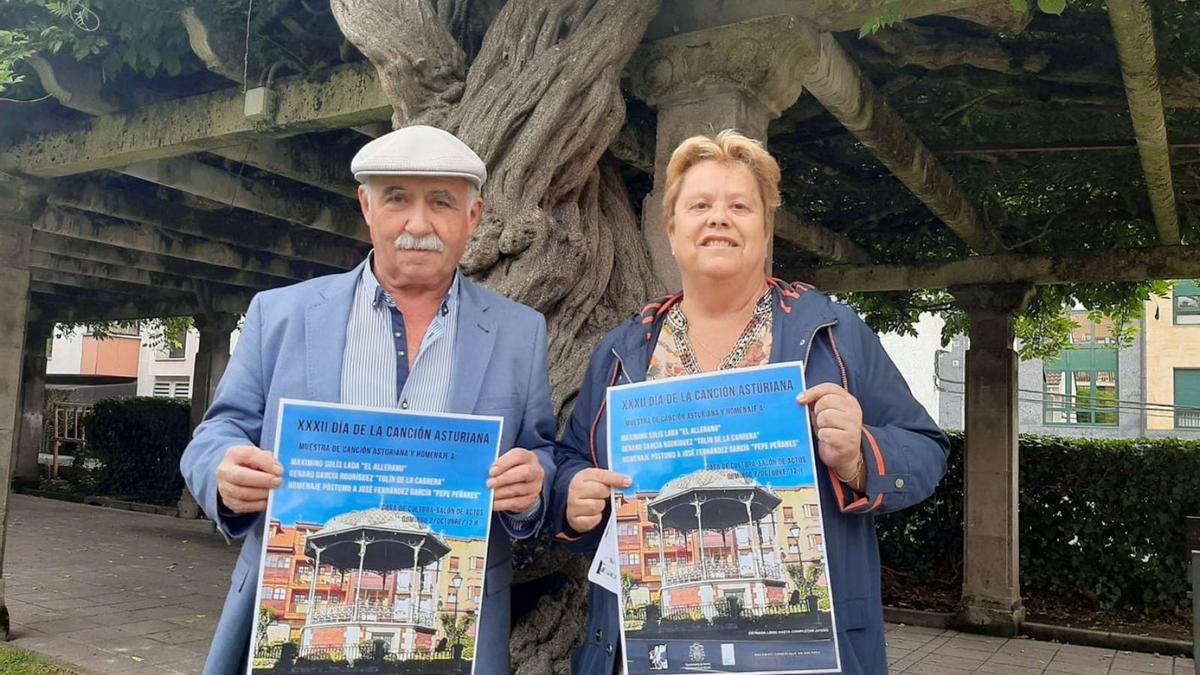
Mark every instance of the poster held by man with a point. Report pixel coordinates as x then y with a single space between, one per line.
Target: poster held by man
384 521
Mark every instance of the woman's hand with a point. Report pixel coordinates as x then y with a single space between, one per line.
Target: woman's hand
588 495
837 418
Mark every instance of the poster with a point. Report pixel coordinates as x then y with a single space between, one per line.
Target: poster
375 546
719 539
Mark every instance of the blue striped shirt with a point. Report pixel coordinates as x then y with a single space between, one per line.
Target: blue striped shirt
377 342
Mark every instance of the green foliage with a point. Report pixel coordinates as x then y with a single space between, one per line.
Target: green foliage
1100 520
807 581
889 14
458 633
136 444
1042 331
162 334
19 662
147 37
265 616
1055 7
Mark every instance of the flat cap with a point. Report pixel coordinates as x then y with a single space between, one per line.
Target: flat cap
418 151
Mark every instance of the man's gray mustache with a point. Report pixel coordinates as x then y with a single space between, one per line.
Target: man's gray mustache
428 242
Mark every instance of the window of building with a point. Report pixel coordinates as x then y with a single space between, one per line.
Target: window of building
1080 385
812 511
172 387
453 563
789 513
474 594
477 562
177 352
1187 398
815 540
1186 301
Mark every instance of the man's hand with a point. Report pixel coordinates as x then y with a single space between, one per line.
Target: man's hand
837 418
245 476
588 495
517 479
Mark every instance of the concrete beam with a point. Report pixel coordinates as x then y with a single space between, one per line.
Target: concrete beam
88 251
50 264
1163 262
91 296
138 237
71 281
340 217
52 309
247 230
837 82
1133 28
327 167
338 98
685 16
818 240
78 88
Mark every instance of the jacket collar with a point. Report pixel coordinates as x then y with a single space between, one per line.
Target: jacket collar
476 337
325 319
799 312
326 316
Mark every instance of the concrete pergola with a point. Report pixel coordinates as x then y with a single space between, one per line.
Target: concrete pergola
190 204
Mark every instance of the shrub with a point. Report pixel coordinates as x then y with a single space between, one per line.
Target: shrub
136 444
1101 520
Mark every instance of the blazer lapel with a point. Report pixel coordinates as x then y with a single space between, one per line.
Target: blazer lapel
325 320
472 348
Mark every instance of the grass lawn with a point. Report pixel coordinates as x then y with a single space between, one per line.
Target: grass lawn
17 662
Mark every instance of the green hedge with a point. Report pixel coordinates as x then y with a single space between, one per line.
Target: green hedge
136 444
1101 520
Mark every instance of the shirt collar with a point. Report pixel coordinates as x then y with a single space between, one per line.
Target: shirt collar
378 295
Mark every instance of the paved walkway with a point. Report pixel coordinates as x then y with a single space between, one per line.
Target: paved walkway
116 592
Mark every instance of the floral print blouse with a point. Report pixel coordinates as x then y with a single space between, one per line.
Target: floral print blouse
674 356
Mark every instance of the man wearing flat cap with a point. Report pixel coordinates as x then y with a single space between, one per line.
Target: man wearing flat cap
405 329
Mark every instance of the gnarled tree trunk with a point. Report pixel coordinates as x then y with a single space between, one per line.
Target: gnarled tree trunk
540 104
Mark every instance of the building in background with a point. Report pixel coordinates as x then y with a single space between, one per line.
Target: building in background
1098 388
127 358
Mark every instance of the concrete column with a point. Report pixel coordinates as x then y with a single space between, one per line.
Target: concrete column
18 202
991 559
33 403
739 76
212 356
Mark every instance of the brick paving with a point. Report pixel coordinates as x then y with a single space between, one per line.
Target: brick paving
122 593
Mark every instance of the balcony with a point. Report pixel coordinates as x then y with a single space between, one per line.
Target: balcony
716 570
1187 418
371 611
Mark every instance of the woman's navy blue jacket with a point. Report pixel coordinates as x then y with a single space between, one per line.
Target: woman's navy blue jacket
905 455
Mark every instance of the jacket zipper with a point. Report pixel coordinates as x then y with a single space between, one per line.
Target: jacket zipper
812 339
620 367
618 370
